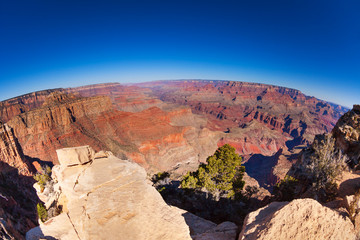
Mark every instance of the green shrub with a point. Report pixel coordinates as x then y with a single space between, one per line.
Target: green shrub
42 213
221 176
43 178
285 189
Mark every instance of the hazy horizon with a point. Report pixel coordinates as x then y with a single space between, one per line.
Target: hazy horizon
310 46
189 79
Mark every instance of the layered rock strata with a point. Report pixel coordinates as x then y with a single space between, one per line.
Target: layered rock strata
11 152
230 104
17 105
168 125
42 130
158 140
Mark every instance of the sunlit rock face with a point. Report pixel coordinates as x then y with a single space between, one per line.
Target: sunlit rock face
105 197
42 130
299 219
14 106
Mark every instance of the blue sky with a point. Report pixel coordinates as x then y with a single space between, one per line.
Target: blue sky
313 46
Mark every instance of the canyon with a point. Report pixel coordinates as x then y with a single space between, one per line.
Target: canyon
84 178
168 126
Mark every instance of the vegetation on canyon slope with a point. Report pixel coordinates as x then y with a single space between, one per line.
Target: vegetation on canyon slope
221 175
42 212
43 178
319 167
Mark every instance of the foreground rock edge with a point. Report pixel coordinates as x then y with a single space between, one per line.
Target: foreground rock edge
299 219
108 198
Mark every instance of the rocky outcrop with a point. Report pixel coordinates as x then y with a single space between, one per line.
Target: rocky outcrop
11 152
107 198
347 134
299 219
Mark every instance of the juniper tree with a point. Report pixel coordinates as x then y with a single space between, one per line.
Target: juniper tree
221 175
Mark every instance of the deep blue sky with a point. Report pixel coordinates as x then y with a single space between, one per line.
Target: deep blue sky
313 46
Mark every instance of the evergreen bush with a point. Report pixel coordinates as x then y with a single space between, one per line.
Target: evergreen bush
221 175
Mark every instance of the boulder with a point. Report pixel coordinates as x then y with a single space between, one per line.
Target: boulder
75 155
59 227
349 200
299 219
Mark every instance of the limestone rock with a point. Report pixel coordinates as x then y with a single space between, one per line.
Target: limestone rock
109 198
75 156
299 219
59 227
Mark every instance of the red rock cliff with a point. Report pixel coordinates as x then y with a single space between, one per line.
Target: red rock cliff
11 152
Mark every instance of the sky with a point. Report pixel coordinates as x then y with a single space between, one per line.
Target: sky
313 46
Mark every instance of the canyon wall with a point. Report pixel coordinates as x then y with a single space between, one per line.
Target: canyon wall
11 153
168 125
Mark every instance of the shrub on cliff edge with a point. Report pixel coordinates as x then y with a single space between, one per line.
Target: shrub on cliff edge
43 178
42 213
320 166
221 175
